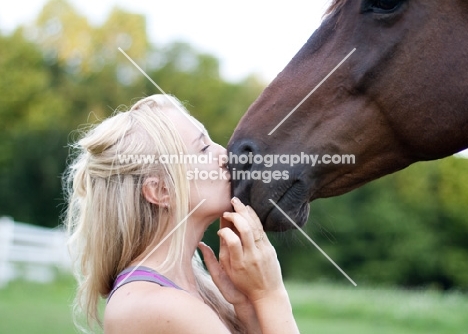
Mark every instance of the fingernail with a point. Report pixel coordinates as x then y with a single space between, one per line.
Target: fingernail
235 200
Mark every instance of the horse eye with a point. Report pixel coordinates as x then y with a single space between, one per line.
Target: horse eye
385 5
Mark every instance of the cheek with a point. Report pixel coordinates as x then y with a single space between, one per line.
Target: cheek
208 179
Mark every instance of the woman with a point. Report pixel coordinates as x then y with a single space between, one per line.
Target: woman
135 223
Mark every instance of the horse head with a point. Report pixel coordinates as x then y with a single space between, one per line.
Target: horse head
401 97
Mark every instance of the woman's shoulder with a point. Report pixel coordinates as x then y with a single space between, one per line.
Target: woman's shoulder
143 307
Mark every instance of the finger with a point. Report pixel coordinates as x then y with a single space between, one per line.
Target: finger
233 245
253 216
216 271
260 233
228 222
224 256
210 259
243 228
224 222
240 208
250 216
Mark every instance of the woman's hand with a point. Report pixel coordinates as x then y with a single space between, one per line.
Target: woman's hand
220 278
258 257
244 308
248 273
247 256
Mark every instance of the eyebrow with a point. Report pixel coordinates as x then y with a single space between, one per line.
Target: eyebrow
199 137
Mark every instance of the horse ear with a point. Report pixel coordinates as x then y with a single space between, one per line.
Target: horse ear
155 192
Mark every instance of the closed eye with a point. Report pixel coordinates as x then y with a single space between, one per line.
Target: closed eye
205 148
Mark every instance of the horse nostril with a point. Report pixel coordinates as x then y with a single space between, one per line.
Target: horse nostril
247 148
241 154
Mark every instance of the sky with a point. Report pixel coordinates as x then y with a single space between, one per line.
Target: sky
248 36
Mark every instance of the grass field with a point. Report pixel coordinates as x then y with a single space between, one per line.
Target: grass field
318 307
332 309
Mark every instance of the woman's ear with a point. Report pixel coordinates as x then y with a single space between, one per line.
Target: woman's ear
155 192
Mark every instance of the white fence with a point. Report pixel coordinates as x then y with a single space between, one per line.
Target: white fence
31 252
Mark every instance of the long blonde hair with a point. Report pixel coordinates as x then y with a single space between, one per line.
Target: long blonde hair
110 221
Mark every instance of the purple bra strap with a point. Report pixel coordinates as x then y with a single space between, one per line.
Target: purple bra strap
141 274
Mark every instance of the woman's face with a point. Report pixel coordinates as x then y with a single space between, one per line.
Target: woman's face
209 177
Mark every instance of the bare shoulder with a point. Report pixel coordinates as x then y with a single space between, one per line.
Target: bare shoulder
143 307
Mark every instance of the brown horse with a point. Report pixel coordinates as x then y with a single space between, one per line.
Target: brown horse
401 97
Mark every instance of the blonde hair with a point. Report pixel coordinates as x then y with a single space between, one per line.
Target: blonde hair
110 221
